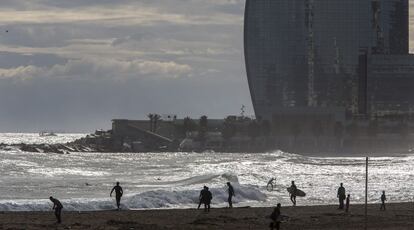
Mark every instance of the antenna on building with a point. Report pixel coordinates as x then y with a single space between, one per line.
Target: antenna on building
337 62
242 109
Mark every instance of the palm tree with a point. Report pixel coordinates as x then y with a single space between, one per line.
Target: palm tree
157 118
151 117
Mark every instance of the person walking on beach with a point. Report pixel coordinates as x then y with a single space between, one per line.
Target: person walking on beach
118 194
201 197
231 194
348 198
57 206
383 199
293 190
341 196
275 216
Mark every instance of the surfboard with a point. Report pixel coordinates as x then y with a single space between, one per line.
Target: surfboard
298 192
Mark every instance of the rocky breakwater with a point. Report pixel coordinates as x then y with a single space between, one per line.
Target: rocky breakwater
100 141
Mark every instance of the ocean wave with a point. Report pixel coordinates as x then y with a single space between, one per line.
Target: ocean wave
146 200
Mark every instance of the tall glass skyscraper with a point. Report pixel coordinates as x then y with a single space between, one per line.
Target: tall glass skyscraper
306 53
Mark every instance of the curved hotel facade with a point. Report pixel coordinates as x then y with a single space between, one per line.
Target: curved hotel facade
308 55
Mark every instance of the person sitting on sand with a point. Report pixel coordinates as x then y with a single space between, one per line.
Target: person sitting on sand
348 198
118 194
341 196
231 194
383 199
293 193
57 206
200 198
276 217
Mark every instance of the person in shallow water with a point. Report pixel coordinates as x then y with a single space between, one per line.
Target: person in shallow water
200 198
118 194
383 199
276 218
57 206
293 193
341 196
230 190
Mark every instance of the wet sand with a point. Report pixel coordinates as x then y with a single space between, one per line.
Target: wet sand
397 216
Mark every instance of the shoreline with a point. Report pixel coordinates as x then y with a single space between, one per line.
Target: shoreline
397 216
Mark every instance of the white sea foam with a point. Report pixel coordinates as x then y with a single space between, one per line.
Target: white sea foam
173 180
146 200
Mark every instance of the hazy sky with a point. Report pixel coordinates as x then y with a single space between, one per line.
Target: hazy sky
76 64
72 65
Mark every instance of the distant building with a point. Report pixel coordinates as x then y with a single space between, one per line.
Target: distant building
328 54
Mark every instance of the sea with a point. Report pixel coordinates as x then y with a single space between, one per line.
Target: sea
82 181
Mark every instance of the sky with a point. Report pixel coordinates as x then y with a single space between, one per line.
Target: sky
73 65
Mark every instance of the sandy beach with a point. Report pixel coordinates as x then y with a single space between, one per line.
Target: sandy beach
397 216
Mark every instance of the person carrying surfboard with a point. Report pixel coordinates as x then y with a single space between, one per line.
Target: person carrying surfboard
293 190
341 196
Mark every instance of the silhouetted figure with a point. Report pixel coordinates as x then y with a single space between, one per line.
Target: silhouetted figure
269 185
341 196
118 194
383 199
231 194
200 198
276 218
348 198
206 198
293 193
57 206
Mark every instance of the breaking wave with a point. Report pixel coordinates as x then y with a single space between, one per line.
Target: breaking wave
145 200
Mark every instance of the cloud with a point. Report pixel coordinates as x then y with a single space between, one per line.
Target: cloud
93 69
74 65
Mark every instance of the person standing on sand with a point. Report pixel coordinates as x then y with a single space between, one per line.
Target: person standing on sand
57 206
118 194
383 199
207 197
201 197
231 194
341 196
275 216
293 193
347 202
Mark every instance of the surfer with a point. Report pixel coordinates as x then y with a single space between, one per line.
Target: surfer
341 196
57 206
200 198
275 216
118 194
383 199
269 185
207 197
293 190
231 194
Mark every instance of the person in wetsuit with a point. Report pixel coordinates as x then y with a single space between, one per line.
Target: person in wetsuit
205 198
200 198
293 193
276 218
57 206
383 199
341 196
231 194
118 194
